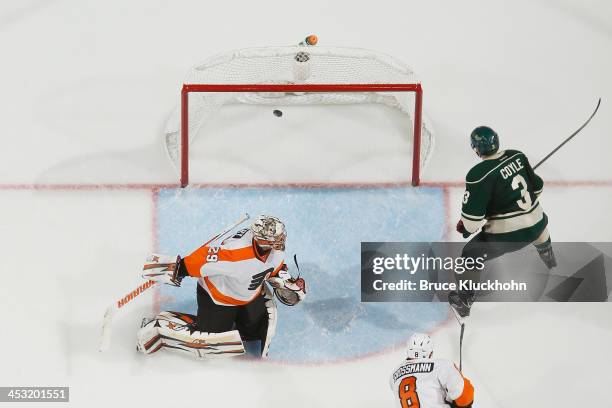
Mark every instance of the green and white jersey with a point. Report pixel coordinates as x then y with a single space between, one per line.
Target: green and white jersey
503 191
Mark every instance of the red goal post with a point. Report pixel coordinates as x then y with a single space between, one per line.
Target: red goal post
293 88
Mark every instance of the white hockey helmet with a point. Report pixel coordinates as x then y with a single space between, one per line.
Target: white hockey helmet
419 346
269 232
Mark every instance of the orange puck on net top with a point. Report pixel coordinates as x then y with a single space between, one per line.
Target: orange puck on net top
312 39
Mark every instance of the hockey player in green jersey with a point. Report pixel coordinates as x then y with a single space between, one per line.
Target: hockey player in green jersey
501 192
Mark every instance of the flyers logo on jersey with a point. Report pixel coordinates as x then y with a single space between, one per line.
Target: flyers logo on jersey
257 279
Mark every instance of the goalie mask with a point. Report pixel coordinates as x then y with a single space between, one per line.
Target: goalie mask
269 232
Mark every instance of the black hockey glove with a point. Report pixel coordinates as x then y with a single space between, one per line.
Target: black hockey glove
461 229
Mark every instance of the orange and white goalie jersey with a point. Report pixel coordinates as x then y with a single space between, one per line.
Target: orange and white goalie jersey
234 272
430 383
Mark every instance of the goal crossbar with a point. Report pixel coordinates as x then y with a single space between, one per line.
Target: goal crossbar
192 88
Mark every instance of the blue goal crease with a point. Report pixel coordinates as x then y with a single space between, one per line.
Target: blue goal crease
325 229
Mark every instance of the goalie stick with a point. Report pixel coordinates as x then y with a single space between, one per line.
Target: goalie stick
105 336
296 265
570 136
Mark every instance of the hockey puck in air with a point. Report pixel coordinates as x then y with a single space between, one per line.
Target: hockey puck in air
277 113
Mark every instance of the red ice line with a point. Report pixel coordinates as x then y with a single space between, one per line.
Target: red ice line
145 186
154 186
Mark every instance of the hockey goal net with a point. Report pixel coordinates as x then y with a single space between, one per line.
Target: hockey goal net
297 75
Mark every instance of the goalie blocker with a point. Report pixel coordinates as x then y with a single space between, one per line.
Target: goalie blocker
232 293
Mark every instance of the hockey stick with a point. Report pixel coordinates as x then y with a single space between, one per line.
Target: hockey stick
461 347
105 337
461 323
296 265
570 136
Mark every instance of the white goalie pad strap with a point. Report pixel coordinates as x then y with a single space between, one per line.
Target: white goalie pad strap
206 345
272 319
174 332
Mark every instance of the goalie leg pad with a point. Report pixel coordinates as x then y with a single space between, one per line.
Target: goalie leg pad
177 331
149 340
272 319
257 321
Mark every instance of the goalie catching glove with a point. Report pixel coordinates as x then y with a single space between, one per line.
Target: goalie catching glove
288 291
163 269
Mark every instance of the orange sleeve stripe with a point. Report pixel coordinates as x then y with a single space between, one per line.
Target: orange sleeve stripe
220 297
197 259
236 255
467 396
277 270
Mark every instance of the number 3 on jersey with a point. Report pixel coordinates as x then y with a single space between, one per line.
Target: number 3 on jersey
407 393
525 202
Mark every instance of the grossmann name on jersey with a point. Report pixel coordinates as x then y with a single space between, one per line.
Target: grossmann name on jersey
413 368
425 285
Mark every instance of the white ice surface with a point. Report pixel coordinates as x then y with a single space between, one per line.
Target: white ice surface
86 87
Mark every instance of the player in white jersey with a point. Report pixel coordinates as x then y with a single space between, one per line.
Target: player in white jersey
234 302
423 382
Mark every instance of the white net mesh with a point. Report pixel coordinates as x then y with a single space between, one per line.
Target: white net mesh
296 65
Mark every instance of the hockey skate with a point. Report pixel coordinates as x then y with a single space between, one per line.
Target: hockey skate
461 302
547 254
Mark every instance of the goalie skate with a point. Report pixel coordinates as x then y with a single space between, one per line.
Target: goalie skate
177 331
